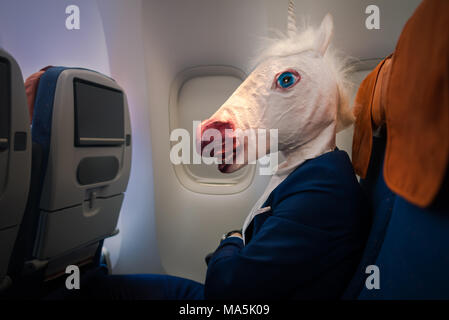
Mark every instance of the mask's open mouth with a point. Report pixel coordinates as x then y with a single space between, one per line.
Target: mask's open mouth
219 139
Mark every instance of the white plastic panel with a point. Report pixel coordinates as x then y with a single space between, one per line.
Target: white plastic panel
195 95
61 187
67 229
134 249
16 163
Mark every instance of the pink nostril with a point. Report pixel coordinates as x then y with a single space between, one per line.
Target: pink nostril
221 126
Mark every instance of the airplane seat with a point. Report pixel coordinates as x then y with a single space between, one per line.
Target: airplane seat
408 244
15 158
81 137
401 150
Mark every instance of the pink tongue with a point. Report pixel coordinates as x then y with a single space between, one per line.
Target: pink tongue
222 167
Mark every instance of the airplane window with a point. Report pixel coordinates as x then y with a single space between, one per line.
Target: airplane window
201 92
99 114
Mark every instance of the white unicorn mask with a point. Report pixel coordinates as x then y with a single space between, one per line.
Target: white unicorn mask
298 88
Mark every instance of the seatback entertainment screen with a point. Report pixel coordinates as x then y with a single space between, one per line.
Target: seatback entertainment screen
99 115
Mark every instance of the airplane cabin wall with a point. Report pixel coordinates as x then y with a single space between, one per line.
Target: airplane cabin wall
135 250
34 33
178 35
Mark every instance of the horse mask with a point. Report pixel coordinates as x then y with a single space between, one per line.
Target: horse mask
298 87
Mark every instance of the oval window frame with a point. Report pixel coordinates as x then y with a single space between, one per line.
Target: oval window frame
189 180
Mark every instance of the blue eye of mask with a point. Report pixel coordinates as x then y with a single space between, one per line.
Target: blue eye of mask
286 79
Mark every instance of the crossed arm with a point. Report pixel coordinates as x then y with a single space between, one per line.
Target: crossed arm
290 250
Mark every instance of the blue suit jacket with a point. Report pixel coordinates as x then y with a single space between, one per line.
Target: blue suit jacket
306 247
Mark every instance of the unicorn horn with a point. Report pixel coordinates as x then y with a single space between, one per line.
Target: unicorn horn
291 20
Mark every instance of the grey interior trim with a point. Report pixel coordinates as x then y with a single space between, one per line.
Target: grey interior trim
103 139
366 64
4 144
15 160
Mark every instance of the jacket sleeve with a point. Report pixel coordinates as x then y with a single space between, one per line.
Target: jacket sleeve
291 248
227 248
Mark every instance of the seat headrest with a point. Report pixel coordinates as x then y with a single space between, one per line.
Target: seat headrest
413 91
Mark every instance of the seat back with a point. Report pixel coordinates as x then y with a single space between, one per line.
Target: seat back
405 167
15 157
81 136
407 243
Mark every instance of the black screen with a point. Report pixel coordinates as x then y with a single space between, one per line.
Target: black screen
99 115
5 92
